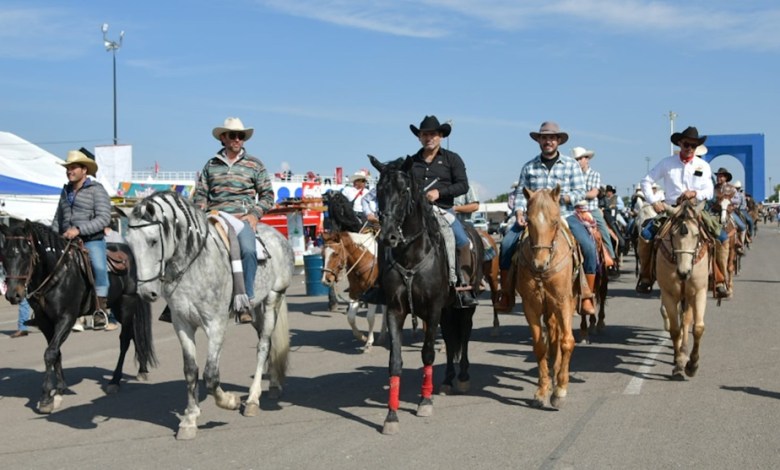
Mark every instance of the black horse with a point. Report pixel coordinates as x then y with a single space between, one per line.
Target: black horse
55 276
415 279
341 213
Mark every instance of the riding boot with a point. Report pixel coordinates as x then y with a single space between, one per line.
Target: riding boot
375 295
100 317
467 298
506 299
645 250
245 315
722 261
587 295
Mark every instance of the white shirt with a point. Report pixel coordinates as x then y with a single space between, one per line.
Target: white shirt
355 196
679 177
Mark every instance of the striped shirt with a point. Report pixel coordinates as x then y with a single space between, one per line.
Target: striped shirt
592 180
242 187
566 172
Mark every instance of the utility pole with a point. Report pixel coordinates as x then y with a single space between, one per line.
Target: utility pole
672 115
113 46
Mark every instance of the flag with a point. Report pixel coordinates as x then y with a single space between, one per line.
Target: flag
156 168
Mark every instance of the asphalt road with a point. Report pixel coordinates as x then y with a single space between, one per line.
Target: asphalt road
623 411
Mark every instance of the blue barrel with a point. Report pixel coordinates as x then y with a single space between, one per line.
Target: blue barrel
312 265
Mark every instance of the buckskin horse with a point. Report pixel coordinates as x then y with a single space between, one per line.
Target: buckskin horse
415 279
544 276
682 264
56 277
182 258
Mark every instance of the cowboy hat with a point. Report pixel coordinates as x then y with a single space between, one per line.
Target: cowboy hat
233 124
359 175
738 184
689 133
430 123
610 188
77 158
723 171
549 127
580 152
701 151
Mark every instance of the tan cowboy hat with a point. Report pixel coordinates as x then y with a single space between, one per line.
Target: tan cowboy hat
580 152
549 127
701 150
359 175
77 158
233 124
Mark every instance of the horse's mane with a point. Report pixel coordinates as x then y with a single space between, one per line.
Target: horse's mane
341 213
149 206
419 201
47 237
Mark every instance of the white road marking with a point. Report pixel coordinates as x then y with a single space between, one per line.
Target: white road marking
635 385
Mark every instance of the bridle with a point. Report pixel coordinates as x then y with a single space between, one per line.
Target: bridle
344 258
26 278
407 210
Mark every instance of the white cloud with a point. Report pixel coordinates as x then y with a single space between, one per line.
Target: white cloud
43 33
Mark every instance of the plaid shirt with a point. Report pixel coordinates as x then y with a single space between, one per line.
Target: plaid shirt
592 180
566 172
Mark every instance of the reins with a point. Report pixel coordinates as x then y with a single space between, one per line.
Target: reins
27 278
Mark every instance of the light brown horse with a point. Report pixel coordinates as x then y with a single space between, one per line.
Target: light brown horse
543 268
354 253
490 273
682 264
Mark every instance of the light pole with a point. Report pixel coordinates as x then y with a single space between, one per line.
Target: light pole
113 46
671 116
647 160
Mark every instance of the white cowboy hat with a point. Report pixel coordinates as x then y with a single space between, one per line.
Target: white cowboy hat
580 152
76 157
233 124
359 175
701 150
738 184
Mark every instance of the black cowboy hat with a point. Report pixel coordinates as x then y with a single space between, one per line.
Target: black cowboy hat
723 171
610 188
689 133
430 123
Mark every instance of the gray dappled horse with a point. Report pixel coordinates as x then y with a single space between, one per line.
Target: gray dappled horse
182 259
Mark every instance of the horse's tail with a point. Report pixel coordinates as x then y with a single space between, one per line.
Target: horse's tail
142 332
280 340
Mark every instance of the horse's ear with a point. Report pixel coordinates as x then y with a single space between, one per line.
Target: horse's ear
376 163
527 193
407 164
556 192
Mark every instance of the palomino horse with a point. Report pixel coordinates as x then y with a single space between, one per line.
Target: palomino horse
354 253
182 259
682 264
55 275
415 279
544 277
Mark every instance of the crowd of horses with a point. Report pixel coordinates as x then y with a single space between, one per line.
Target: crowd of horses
175 252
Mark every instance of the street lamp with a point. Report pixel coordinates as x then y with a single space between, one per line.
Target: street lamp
113 46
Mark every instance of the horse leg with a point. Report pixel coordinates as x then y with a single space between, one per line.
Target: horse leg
564 347
540 351
584 338
699 304
53 379
425 406
351 315
278 355
449 332
370 318
124 344
394 321
466 324
672 307
188 424
252 405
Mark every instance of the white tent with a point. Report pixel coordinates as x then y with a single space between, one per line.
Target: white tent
31 179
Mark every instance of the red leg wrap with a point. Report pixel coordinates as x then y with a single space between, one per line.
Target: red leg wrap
395 387
427 383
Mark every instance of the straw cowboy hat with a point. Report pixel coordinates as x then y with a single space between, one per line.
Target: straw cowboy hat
550 128
233 124
689 133
580 152
701 151
75 157
359 175
430 123
723 171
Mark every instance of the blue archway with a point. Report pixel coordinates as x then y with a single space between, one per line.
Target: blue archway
749 150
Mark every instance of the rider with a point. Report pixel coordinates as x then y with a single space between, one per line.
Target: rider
740 203
592 183
83 211
237 183
357 192
546 171
685 177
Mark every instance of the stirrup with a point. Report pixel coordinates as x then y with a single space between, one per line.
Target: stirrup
99 320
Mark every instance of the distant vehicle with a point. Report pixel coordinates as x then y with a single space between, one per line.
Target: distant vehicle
493 227
480 224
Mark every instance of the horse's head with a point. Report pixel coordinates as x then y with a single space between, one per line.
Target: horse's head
334 257
397 198
543 217
685 237
342 214
19 258
723 195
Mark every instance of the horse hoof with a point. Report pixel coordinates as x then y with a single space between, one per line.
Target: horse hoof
231 401
425 409
677 375
251 410
274 392
537 402
463 387
142 377
557 402
391 427
112 389
366 349
46 408
584 340
445 389
691 369
186 433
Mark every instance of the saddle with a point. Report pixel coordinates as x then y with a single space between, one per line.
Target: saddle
118 261
219 221
590 223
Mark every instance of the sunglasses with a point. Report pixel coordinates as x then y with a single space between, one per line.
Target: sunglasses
235 135
689 145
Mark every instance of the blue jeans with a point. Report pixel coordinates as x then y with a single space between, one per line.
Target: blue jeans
738 221
24 315
461 239
246 241
97 257
649 230
598 216
587 245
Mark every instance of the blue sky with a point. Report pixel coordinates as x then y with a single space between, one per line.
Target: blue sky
324 82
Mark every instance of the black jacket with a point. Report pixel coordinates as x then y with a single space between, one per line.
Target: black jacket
450 170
